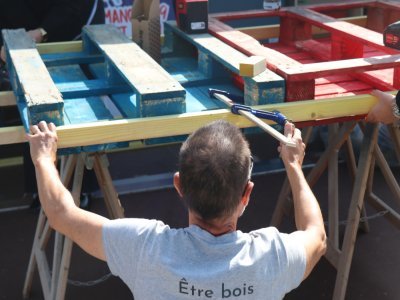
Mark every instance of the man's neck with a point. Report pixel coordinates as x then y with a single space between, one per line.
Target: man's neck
216 227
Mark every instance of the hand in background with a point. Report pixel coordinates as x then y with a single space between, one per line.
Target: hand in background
36 35
383 109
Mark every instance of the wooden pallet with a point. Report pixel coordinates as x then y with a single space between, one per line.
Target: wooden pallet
323 57
349 50
61 87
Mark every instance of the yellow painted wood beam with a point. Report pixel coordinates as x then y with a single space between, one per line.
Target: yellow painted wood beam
272 31
153 127
59 47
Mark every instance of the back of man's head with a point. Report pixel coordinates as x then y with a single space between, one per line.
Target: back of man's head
214 167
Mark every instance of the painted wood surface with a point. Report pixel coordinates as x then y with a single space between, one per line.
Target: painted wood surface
30 78
345 29
215 55
310 71
137 67
346 51
162 126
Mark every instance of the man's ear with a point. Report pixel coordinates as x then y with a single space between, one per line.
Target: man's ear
247 192
177 184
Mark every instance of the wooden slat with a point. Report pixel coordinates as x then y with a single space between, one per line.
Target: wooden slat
137 67
311 71
248 44
173 125
356 203
44 272
59 47
30 78
344 29
266 87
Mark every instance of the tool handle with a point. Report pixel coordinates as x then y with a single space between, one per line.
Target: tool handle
275 116
232 97
275 133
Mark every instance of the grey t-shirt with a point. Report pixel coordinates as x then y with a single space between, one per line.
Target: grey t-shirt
157 262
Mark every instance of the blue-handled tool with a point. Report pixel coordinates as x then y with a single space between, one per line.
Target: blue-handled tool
275 116
254 115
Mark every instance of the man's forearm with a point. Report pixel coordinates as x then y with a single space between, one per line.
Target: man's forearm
54 197
306 207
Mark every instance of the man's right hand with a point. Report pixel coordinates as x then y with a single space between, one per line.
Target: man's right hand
292 156
383 110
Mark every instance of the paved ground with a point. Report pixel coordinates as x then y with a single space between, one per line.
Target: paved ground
374 274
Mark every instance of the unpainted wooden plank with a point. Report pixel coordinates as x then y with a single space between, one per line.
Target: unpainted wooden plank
162 126
252 66
58 47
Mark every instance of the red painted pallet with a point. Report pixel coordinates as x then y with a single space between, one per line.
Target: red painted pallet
346 59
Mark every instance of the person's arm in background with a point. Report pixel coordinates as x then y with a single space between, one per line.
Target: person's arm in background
308 216
60 20
385 109
81 226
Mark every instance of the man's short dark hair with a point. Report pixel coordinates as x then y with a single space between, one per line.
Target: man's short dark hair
214 165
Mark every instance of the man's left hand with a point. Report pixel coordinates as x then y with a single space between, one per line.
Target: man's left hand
43 142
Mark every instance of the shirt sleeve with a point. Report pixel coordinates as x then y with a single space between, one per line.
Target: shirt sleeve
293 258
123 241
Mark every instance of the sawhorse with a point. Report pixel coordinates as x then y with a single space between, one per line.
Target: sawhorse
54 281
370 154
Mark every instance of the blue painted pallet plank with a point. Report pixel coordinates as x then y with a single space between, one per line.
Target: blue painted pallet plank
126 103
70 58
185 70
82 109
87 88
30 78
150 81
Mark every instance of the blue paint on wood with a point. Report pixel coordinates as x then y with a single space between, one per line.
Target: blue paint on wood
154 87
263 92
210 66
87 88
82 109
70 58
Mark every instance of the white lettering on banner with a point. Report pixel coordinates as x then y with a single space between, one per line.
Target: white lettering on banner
164 13
119 13
121 18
